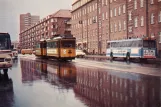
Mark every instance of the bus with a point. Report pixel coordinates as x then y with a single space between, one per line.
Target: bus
5 52
142 48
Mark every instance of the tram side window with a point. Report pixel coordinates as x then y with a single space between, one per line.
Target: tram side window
38 46
52 45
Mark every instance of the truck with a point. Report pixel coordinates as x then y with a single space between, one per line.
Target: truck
5 52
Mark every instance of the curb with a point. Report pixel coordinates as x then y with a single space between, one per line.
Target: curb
107 58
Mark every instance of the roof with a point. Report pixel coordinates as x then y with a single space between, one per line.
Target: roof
136 39
75 1
62 13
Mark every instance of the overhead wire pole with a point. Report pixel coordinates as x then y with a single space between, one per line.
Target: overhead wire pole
127 19
98 24
147 19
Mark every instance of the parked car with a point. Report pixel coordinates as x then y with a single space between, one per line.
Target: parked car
26 51
80 53
14 53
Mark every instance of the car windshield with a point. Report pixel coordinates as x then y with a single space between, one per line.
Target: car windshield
14 50
5 42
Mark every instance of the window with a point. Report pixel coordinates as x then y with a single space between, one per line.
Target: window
130 14
160 37
103 16
136 22
141 3
142 21
102 2
106 15
152 18
124 25
115 27
124 8
99 10
152 1
111 13
159 16
135 4
93 7
96 6
52 20
115 12
119 25
84 11
96 18
119 10
90 9
130 29
106 2
111 28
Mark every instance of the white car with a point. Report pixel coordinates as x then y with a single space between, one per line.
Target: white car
80 53
14 54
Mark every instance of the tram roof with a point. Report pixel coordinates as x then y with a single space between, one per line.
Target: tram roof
136 39
58 37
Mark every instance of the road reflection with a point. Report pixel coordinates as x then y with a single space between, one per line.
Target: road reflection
6 91
97 88
15 63
58 74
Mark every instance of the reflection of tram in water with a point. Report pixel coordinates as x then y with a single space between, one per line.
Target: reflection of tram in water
62 72
56 74
99 88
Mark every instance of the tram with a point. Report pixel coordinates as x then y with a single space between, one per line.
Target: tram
61 47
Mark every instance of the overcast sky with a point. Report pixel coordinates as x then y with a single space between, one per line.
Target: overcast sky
11 9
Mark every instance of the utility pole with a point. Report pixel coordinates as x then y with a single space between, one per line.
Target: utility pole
147 19
99 27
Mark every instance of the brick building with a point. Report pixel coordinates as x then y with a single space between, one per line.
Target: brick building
26 20
57 23
94 22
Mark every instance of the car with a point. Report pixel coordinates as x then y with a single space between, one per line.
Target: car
26 51
14 54
80 53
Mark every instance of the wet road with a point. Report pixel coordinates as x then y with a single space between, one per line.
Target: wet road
80 83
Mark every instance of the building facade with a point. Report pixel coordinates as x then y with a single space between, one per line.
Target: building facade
94 22
54 24
26 20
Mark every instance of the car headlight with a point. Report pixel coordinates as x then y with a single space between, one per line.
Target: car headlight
8 59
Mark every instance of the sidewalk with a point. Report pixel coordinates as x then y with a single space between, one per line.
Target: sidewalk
103 57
